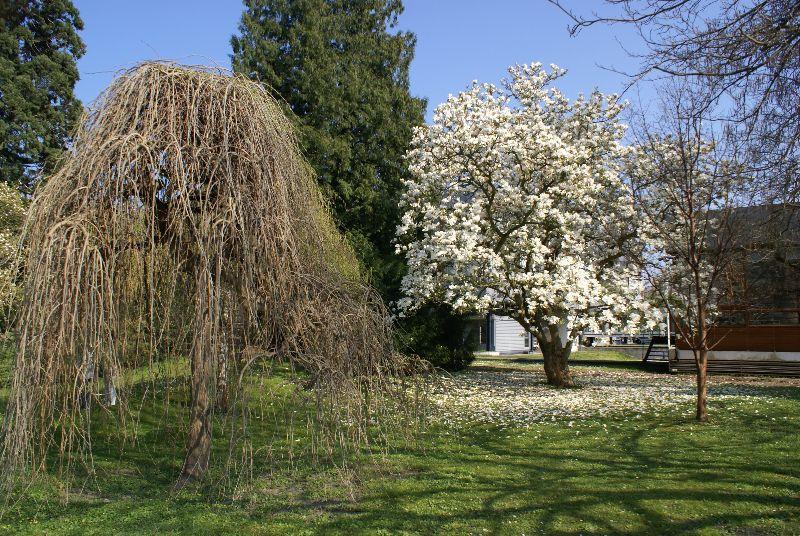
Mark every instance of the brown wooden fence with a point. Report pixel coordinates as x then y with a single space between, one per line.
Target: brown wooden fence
751 338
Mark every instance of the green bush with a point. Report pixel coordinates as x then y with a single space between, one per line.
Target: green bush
447 340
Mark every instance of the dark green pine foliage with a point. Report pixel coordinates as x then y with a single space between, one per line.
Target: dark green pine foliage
342 69
39 47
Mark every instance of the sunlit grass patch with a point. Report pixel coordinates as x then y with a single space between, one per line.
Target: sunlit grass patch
599 464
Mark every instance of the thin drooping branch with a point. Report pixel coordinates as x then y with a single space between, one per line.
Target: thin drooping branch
745 54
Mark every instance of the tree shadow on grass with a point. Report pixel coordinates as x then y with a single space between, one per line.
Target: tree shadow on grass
629 490
662 475
646 366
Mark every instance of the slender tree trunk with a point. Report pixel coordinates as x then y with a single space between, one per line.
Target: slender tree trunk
702 386
221 395
198 444
701 360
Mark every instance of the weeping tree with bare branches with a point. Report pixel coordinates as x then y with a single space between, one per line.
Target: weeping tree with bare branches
185 229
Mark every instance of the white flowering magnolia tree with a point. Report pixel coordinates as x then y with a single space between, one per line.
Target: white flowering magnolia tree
515 206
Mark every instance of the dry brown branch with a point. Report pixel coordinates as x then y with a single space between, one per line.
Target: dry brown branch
186 231
743 54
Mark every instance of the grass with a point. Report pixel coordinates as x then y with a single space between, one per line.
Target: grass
601 355
659 474
610 359
575 357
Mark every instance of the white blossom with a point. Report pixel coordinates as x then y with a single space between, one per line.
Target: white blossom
518 397
515 205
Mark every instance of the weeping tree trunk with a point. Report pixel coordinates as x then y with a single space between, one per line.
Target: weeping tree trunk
221 395
198 442
110 384
556 348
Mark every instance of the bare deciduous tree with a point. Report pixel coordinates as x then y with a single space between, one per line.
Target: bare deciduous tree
689 190
744 53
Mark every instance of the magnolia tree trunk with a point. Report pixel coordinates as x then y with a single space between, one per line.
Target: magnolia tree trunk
701 359
556 348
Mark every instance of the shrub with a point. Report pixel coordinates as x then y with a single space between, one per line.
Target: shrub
436 333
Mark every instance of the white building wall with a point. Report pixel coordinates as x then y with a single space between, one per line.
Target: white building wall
509 336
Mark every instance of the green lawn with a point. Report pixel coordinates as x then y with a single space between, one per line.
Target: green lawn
581 355
656 473
601 355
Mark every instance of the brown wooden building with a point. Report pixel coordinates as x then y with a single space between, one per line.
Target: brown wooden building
758 331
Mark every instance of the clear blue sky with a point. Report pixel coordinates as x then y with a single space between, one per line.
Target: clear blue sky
457 41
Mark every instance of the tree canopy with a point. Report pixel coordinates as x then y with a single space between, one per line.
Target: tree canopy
344 73
39 47
516 206
744 53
